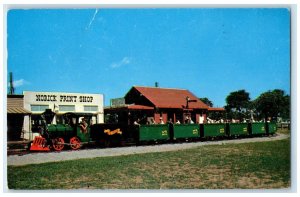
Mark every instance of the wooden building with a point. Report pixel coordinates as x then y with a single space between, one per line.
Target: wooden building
166 104
16 116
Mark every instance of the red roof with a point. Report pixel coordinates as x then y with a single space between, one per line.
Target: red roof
169 98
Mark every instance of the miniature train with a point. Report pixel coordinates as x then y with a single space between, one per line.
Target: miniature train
74 135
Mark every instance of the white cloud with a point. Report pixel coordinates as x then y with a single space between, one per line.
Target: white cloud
19 83
124 61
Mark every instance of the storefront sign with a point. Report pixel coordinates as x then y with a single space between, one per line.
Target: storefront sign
64 98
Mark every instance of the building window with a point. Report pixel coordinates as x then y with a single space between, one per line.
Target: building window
39 107
68 108
90 108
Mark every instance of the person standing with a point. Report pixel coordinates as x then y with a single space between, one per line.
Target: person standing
83 126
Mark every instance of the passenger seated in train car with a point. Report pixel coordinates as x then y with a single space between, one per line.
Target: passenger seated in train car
161 121
170 121
209 121
137 122
83 125
152 121
235 121
190 120
186 121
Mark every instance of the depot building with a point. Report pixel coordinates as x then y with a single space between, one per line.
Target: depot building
158 104
35 103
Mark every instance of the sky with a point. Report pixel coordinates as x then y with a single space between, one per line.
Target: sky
210 52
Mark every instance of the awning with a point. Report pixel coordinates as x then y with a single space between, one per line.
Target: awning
143 107
216 109
18 110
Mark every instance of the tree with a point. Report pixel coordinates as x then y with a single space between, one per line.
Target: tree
237 104
206 101
273 104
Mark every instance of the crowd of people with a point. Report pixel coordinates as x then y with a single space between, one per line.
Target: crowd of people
151 121
234 120
188 120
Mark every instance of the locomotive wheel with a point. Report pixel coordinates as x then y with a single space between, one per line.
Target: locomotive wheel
75 143
58 144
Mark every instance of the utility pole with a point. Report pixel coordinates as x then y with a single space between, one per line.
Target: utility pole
11 85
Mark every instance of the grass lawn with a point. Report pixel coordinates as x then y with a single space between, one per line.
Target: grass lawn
283 131
250 165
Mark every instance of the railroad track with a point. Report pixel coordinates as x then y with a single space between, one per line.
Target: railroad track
36 158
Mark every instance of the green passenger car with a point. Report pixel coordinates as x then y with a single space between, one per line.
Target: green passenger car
237 129
154 132
272 128
213 130
185 131
258 128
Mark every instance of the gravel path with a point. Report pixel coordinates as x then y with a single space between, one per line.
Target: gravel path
36 158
